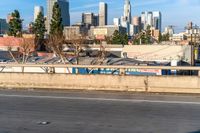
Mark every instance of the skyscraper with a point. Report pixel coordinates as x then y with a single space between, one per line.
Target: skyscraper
116 22
103 14
126 18
96 20
136 22
90 19
153 19
37 10
147 19
127 11
3 26
64 6
87 18
157 20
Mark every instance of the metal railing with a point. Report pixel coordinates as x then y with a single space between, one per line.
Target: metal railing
50 68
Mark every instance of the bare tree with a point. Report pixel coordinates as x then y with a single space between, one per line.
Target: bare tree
9 43
55 44
76 42
11 54
27 47
101 56
21 46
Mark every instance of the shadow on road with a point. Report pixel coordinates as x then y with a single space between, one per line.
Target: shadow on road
195 131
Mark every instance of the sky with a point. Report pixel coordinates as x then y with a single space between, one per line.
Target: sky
174 12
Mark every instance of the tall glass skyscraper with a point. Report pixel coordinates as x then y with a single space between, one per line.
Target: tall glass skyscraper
64 6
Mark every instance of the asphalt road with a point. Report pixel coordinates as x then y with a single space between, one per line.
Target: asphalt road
97 112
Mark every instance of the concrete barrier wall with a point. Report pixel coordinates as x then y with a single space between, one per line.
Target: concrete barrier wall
67 81
171 84
174 84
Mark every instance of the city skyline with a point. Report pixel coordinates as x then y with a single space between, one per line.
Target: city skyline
183 10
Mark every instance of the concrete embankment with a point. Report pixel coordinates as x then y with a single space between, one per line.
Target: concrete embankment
170 84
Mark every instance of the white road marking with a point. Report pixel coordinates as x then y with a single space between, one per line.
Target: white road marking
100 99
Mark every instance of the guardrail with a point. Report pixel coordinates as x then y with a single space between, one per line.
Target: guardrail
50 68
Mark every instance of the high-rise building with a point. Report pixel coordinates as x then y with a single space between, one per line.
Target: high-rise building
157 20
144 19
136 22
96 20
103 14
169 30
3 26
127 11
126 18
116 22
152 19
147 19
87 18
37 10
65 15
90 19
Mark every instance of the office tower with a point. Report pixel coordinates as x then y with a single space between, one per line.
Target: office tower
150 19
153 19
146 19
126 18
90 19
103 13
136 22
96 20
37 10
116 22
87 18
3 26
127 11
65 15
169 30
157 20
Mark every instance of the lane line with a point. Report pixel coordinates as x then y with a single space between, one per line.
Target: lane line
100 99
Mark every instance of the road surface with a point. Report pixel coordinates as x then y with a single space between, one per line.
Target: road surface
97 112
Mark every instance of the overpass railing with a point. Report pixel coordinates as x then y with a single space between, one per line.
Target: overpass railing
98 69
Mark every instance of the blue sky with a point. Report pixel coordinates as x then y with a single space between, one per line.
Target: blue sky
174 12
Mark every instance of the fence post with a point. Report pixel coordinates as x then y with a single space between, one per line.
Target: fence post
122 71
52 70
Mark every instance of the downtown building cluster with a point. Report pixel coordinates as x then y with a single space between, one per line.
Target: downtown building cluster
96 26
